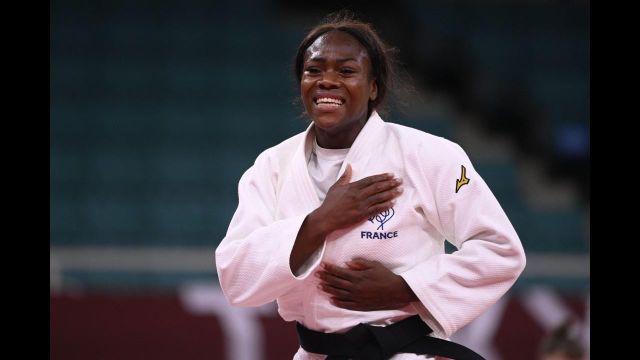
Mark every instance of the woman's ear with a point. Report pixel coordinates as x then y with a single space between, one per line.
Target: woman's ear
373 94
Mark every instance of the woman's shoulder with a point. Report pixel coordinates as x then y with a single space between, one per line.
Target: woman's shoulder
281 151
420 139
286 146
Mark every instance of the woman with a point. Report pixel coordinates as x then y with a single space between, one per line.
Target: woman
344 224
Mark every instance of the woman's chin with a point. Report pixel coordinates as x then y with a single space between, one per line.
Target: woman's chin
327 119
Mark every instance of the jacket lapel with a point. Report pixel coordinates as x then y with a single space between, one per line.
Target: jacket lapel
298 190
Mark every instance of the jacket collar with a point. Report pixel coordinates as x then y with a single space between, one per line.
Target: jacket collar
370 134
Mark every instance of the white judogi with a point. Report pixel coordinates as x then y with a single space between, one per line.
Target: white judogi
276 194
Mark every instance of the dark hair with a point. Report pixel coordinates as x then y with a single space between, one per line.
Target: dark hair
383 62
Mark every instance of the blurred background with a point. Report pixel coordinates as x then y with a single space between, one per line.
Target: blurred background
157 108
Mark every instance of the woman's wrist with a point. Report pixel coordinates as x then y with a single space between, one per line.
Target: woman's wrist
318 224
407 293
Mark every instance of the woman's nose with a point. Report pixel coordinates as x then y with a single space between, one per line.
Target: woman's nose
329 80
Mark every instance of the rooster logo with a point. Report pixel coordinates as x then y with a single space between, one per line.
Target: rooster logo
382 218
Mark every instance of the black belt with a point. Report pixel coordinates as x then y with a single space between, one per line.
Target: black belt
366 342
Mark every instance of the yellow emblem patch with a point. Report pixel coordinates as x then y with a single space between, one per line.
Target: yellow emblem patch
463 179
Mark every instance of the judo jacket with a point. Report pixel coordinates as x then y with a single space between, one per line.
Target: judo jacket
443 198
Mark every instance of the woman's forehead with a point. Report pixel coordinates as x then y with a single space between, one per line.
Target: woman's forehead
337 45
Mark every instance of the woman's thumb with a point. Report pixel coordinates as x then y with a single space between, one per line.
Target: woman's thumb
346 176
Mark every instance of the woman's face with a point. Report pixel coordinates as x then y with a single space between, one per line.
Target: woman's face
336 85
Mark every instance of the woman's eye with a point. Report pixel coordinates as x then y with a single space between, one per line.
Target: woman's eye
312 70
347 71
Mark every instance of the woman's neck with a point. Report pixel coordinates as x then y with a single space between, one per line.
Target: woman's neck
339 138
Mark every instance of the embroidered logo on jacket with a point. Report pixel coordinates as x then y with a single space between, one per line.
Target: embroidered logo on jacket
382 218
463 179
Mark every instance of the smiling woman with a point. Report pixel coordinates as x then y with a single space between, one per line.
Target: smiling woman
336 87
344 224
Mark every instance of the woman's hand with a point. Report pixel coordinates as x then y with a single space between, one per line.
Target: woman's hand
348 203
364 286
345 204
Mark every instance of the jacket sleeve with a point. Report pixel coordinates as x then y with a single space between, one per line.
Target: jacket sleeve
252 260
456 288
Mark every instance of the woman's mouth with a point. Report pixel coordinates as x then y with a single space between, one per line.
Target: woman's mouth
328 103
